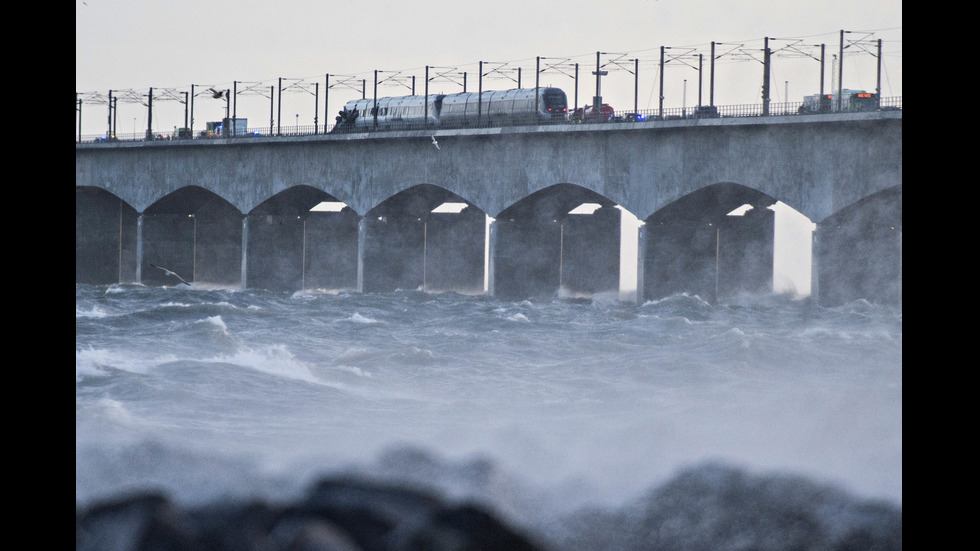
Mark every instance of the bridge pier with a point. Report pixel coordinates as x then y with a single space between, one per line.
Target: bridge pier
714 259
455 246
105 238
698 245
563 239
858 252
574 255
393 253
313 250
433 252
409 242
293 244
527 258
745 253
195 234
169 240
590 252
331 248
641 252
275 254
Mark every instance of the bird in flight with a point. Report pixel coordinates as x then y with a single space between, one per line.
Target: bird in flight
168 272
216 94
434 142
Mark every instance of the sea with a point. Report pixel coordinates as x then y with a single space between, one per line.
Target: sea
535 408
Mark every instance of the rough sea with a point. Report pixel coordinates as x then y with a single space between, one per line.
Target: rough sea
539 409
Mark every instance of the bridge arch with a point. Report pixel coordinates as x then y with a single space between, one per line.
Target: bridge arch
859 250
413 240
544 243
699 244
195 233
301 238
105 237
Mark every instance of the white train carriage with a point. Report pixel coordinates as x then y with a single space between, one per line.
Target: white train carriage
503 107
394 112
491 108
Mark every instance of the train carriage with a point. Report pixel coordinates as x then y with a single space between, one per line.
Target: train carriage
392 113
503 107
464 109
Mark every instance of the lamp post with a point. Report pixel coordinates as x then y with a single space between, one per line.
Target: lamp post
680 57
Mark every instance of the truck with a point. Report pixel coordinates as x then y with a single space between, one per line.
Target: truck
850 100
589 114
234 127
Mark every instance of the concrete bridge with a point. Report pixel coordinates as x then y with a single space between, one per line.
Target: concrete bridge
238 211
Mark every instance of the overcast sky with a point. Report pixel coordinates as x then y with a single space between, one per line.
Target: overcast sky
133 45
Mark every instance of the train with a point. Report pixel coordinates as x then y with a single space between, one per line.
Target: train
463 109
849 100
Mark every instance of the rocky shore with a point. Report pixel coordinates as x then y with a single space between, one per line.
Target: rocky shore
709 507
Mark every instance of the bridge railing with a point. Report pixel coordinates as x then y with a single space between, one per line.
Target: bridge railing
674 113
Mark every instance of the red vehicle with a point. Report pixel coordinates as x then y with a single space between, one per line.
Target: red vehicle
589 114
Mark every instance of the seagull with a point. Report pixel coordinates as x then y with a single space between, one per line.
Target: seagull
168 272
216 94
434 142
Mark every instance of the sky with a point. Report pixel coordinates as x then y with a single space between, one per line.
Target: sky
130 46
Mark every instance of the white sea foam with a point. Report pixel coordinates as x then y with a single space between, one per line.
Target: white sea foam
99 362
274 360
217 322
356 317
93 312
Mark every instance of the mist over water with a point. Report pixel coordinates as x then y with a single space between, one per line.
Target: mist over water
554 404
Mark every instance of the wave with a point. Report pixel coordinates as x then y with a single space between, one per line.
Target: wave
356 317
564 402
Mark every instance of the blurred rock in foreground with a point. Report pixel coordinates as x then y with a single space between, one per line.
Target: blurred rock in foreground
405 507
336 515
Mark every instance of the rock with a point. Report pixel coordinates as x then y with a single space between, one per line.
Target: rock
338 514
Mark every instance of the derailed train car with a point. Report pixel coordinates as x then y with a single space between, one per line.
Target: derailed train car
464 109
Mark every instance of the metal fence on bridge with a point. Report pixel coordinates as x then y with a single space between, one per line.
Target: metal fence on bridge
676 113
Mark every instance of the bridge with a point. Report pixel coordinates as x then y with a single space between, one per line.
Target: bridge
247 211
